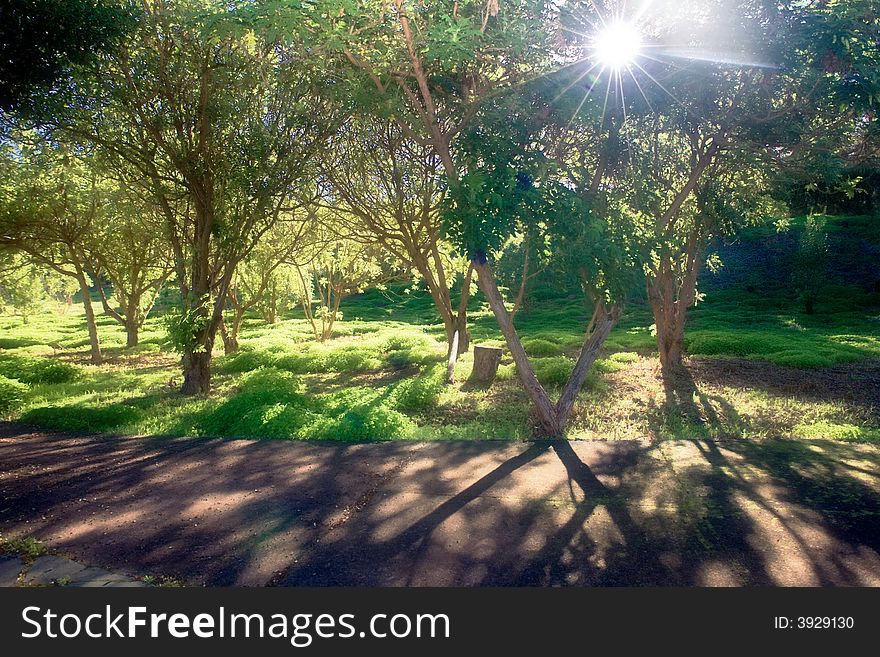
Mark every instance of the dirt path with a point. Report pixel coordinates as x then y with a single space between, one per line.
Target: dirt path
624 513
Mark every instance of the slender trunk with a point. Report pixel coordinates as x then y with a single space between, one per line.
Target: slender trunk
524 282
96 357
671 297
543 406
601 325
458 338
133 320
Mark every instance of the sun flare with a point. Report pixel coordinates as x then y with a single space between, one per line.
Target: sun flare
617 46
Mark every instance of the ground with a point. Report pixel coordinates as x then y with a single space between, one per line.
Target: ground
227 512
758 464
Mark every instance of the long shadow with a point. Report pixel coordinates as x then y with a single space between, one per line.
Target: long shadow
718 520
344 561
233 512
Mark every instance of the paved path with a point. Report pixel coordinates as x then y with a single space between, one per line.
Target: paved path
615 513
49 570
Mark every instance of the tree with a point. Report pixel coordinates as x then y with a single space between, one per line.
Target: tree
128 248
430 70
266 279
392 188
334 267
51 201
762 78
218 125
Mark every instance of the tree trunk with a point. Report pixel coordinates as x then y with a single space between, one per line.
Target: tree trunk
196 373
230 337
601 325
131 332
671 297
670 344
96 357
457 335
486 361
545 409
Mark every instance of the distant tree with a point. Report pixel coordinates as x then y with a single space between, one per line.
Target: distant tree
266 280
392 189
128 248
51 199
334 267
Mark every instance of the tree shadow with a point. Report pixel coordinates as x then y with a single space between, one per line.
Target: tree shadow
462 514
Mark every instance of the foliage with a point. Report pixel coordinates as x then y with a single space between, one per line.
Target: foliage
809 273
34 370
12 395
25 289
184 327
421 393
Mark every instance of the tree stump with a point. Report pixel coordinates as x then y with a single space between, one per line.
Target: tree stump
486 361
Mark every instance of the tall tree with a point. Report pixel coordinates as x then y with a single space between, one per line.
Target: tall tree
220 125
445 74
763 81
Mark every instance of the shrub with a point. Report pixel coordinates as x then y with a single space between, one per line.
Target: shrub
553 371
83 418
245 360
834 431
539 348
402 359
405 341
624 357
350 360
373 421
12 393
604 366
270 404
34 370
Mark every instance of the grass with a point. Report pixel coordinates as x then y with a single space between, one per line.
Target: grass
28 548
381 377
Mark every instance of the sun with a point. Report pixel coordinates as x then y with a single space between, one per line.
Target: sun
617 46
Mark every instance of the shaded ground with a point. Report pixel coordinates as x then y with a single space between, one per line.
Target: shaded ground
580 513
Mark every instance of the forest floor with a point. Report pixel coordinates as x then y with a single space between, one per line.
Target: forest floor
233 512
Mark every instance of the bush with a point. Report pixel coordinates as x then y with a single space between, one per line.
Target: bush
12 393
835 431
372 421
624 357
554 371
83 418
604 366
539 348
34 370
406 342
270 404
